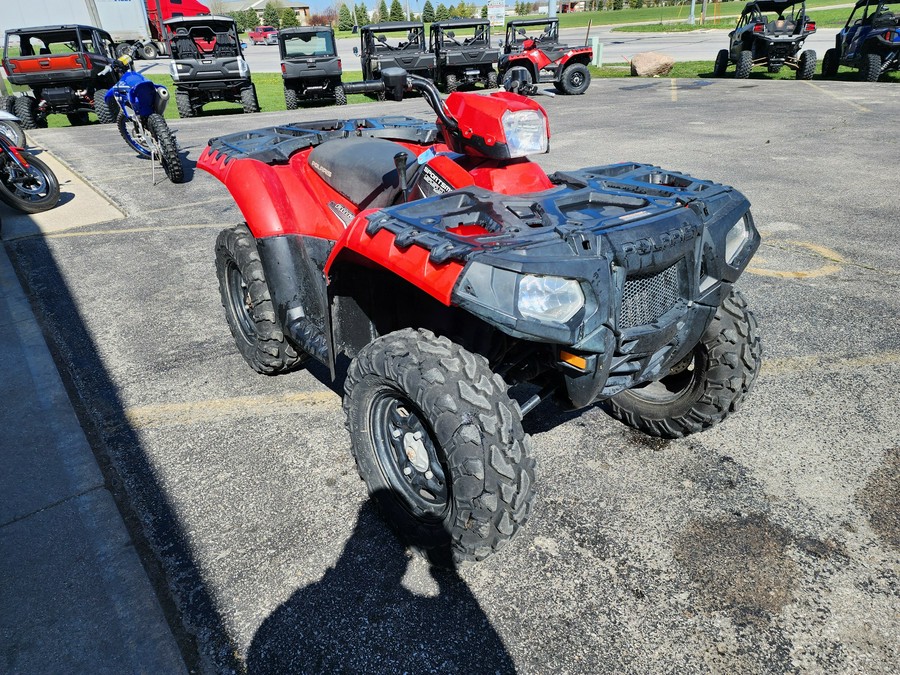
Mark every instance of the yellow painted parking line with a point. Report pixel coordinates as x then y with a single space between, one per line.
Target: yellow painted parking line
224 409
833 264
191 412
859 107
673 88
133 230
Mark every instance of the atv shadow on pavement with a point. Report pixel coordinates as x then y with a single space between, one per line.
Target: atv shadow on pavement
362 617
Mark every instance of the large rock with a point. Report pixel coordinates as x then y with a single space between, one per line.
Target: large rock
651 64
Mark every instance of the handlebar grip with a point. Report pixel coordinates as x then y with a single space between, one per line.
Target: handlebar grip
366 87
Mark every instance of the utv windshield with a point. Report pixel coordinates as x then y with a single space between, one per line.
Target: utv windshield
320 43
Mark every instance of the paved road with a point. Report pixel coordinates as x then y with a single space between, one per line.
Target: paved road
767 544
617 47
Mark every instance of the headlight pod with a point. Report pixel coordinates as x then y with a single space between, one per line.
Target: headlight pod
173 69
525 131
549 298
737 236
243 68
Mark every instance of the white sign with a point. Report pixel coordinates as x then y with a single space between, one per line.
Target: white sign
496 12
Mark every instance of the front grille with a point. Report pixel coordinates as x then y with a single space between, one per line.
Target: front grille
646 297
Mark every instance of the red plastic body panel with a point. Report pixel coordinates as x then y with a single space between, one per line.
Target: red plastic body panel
482 115
412 264
20 65
513 177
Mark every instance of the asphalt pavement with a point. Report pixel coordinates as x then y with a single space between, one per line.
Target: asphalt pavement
766 544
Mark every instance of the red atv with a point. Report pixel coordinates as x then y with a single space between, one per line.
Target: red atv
543 59
465 286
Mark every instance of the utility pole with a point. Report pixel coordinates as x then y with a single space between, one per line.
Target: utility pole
551 8
691 19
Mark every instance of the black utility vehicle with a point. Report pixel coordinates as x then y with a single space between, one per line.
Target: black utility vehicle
773 40
310 65
869 41
208 64
532 53
67 70
394 44
463 58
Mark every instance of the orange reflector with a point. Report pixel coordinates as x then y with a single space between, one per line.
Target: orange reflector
573 360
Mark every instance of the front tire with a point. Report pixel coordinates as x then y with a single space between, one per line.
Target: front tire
14 132
711 383
31 191
135 134
290 98
451 83
439 444
575 79
806 66
744 65
249 100
166 147
493 80
721 64
340 96
830 63
29 113
248 305
870 70
185 105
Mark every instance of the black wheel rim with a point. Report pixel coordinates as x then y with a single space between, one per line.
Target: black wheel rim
239 299
684 378
29 185
408 456
577 79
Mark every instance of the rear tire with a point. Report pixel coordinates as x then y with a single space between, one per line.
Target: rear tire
870 70
744 65
340 96
249 100
8 104
28 112
148 51
31 192
439 444
715 379
168 148
721 65
493 80
105 111
248 305
290 98
575 79
451 83
830 63
185 105
806 66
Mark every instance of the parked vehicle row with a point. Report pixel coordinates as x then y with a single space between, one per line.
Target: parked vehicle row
771 33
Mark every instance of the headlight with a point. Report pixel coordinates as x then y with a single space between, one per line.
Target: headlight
736 238
549 298
525 131
173 69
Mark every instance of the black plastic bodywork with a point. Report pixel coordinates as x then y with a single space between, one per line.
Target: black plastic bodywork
207 61
647 247
778 40
394 44
64 65
469 58
309 61
873 27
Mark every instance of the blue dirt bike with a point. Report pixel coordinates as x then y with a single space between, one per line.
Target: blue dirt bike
140 105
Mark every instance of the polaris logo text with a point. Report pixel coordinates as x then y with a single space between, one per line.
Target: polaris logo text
663 241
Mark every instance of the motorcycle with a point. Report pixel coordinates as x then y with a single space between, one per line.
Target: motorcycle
26 183
141 105
10 126
465 286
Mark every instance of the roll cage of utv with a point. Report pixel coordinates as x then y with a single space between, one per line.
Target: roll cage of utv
394 44
65 66
208 63
870 41
463 58
517 33
310 65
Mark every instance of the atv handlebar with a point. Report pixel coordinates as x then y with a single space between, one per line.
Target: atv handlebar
395 81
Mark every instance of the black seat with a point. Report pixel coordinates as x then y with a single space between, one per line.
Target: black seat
225 45
361 169
185 46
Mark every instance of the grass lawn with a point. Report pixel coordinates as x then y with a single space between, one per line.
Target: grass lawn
824 18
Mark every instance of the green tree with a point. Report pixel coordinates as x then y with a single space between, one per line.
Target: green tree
345 19
617 4
362 14
441 13
635 4
270 15
383 14
396 11
288 18
484 13
427 12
